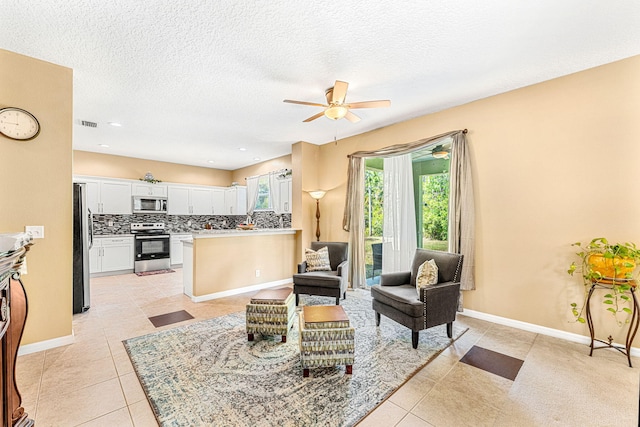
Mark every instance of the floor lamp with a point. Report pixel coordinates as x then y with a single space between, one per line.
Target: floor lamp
318 194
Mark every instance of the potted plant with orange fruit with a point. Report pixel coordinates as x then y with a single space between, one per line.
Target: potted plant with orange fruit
609 265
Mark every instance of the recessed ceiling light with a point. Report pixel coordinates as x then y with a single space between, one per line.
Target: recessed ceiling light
256 158
103 145
116 124
210 161
242 149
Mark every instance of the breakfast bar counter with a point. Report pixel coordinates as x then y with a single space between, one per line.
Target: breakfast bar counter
220 263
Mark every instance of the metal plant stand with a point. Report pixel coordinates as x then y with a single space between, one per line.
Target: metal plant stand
633 323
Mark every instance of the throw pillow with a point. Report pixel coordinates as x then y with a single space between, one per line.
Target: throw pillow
427 275
317 260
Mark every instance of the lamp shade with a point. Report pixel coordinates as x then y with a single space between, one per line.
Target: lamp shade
336 112
318 194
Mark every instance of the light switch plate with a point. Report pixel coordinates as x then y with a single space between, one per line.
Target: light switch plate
37 231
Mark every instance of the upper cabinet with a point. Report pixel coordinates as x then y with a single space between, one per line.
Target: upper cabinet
182 200
114 196
108 196
284 186
147 189
235 200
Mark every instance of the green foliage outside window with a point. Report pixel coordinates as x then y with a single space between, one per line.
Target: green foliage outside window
263 201
435 211
373 215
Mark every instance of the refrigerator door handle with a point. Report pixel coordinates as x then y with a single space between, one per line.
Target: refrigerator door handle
90 228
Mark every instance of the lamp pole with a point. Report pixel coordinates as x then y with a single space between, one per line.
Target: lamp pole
318 194
318 220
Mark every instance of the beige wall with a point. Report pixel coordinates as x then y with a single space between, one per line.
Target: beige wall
262 168
553 163
230 263
106 165
36 190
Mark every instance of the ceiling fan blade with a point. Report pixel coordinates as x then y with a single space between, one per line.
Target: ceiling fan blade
315 116
371 104
339 92
352 117
313 104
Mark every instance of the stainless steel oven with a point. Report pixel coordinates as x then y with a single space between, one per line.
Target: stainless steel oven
152 247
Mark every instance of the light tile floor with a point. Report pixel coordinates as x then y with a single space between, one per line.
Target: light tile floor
92 382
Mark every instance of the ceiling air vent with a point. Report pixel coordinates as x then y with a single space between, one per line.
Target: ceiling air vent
89 124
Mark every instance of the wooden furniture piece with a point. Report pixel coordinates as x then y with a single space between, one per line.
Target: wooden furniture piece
271 312
633 323
326 338
13 316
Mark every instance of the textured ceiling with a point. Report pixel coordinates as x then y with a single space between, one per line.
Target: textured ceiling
194 81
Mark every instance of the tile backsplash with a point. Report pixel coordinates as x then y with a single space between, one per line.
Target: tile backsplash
104 224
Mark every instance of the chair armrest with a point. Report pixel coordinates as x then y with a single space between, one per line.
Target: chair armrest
343 268
444 292
395 279
441 303
302 267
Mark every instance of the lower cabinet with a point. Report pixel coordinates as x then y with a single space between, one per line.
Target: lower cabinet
176 247
111 254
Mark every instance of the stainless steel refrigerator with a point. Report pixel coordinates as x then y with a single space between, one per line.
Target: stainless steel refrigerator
82 242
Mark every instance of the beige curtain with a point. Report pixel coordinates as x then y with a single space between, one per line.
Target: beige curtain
461 211
353 219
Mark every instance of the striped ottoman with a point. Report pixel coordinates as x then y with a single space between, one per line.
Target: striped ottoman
271 312
326 339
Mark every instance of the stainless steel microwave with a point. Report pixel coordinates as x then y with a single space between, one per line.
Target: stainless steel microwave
149 204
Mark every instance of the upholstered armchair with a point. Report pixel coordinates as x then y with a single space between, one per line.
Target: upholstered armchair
331 283
397 296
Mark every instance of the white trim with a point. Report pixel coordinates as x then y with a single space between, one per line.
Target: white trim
46 345
231 292
556 333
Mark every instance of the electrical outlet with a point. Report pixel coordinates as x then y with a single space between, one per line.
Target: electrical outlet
257 273
36 231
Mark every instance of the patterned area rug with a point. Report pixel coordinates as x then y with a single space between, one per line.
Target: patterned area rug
208 374
151 273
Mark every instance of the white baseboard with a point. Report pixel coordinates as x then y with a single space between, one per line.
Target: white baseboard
45 345
231 292
556 333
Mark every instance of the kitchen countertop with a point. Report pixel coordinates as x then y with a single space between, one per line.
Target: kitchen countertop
205 234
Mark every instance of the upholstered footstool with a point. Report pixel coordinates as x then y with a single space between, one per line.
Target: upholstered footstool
271 312
326 338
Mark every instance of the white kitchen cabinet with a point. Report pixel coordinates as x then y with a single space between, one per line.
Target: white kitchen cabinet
111 254
201 201
190 200
178 201
218 201
148 189
176 247
183 200
235 200
284 187
108 197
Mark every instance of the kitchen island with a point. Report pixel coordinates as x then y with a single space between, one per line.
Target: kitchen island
220 263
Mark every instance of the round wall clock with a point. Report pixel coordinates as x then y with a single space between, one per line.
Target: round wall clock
18 124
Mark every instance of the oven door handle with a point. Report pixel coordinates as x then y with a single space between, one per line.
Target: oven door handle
151 237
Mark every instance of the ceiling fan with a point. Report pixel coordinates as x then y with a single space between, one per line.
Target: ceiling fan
336 108
440 152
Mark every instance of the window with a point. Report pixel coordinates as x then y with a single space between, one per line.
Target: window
263 202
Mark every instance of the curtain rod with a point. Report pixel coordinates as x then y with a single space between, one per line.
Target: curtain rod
269 173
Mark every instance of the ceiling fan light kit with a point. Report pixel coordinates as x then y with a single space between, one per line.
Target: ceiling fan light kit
336 108
336 112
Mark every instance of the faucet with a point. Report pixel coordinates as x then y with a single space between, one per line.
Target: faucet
249 220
